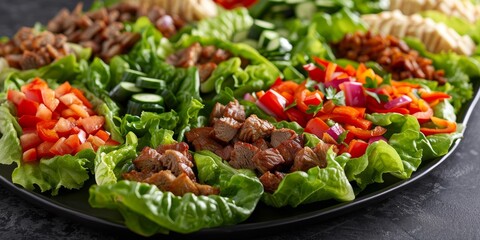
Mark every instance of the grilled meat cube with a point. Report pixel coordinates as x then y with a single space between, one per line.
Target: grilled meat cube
206 190
306 159
217 112
280 135
255 128
182 185
261 144
204 132
270 181
226 128
178 163
163 179
136 176
235 111
148 160
268 160
182 147
242 156
288 149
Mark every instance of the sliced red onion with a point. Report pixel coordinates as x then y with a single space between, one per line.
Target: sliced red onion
336 82
398 102
265 109
354 94
335 131
377 138
249 97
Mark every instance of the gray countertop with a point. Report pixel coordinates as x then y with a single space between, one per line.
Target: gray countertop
443 205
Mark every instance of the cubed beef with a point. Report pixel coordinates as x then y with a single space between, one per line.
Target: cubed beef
195 133
261 144
268 160
177 163
207 54
270 181
226 128
217 112
136 176
182 185
306 159
206 143
321 151
163 179
205 70
235 111
182 147
225 153
242 156
206 190
280 135
187 57
148 160
254 128
220 55
288 150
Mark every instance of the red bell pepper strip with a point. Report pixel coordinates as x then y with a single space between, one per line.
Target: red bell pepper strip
445 127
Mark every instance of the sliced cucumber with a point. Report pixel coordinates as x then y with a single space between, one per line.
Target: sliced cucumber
131 75
269 40
305 10
123 91
150 83
145 102
258 27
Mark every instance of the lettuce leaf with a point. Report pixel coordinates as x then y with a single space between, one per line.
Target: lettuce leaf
9 131
225 25
148 210
316 184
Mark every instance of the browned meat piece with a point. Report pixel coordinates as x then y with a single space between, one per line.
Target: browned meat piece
226 128
13 60
306 159
288 149
182 147
321 151
206 190
136 176
270 181
242 156
187 57
205 70
225 153
182 185
204 132
255 128
207 54
221 55
261 144
163 179
235 111
178 163
206 143
166 26
148 160
268 160
217 112
280 135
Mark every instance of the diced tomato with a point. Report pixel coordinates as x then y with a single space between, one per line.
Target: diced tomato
357 148
69 113
314 99
46 132
28 121
43 150
33 94
15 96
69 99
73 141
91 124
296 115
63 89
64 126
96 141
80 110
111 142
48 97
61 148
85 145
30 155
317 126
104 135
82 97
314 72
29 140
43 112
27 107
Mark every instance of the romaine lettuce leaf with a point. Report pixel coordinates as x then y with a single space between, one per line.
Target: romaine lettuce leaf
316 184
225 25
148 210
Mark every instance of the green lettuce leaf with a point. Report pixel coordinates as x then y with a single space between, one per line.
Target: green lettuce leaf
148 210
9 131
316 184
225 25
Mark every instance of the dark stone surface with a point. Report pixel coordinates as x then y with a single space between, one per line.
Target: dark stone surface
443 205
